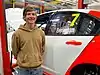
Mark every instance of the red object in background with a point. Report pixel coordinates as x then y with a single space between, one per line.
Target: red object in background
81 5
14 65
5 54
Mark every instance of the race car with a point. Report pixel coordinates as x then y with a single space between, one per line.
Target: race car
72 41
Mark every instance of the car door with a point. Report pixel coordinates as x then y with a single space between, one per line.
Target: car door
67 34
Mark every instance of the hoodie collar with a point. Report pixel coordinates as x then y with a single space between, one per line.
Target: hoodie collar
26 28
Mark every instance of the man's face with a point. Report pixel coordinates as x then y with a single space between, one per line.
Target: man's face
31 17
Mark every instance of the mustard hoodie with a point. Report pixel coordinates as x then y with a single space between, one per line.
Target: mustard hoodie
28 46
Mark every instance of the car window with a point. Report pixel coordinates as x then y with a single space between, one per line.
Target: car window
63 23
43 19
69 23
88 25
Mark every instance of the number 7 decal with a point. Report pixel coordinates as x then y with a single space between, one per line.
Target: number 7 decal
75 19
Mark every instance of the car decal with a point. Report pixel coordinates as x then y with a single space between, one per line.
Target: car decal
75 19
95 13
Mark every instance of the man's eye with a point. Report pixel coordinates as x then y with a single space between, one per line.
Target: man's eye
33 14
28 14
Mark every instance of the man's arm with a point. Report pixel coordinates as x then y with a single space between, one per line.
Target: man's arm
15 45
43 43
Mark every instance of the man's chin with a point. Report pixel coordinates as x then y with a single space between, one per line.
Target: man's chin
31 22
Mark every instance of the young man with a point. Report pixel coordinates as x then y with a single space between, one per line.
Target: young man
28 44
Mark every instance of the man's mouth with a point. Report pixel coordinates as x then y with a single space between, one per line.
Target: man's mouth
31 18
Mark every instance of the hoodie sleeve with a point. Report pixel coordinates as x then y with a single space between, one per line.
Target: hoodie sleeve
43 43
15 44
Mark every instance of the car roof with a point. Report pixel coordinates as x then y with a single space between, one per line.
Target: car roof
80 10
89 11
